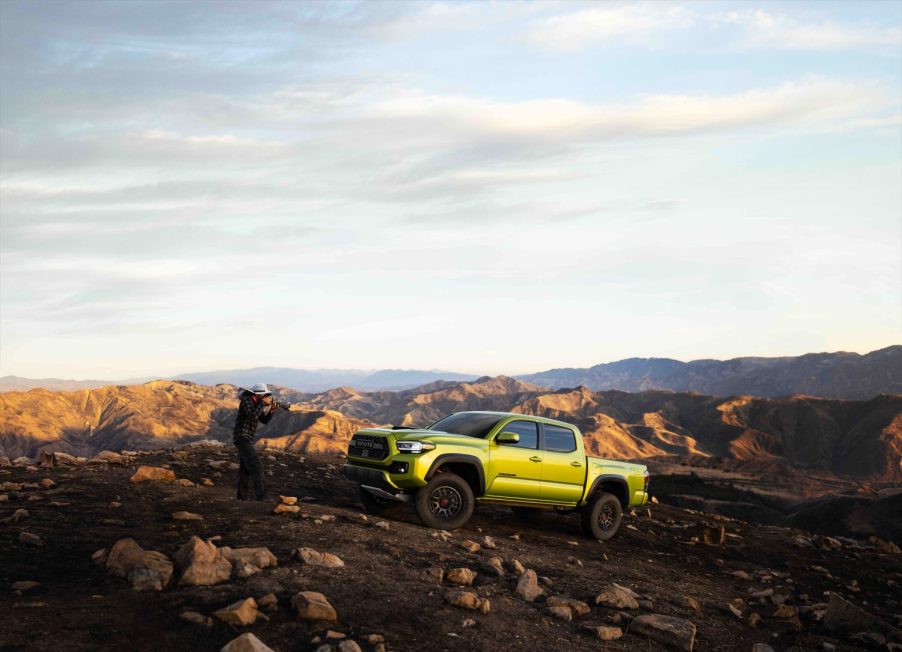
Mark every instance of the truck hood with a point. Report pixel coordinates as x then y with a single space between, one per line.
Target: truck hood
434 436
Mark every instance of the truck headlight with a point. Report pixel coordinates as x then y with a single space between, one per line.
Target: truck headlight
414 447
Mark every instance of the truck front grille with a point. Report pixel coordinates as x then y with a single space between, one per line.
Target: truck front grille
368 446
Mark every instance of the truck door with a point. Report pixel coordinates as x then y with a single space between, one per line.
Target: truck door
563 469
515 470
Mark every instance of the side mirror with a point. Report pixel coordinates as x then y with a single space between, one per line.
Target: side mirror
508 438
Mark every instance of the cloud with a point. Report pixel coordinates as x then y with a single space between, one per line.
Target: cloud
764 29
603 24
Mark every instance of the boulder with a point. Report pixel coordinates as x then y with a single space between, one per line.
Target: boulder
311 605
201 564
616 597
461 576
667 630
246 643
316 558
152 474
243 612
126 557
528 586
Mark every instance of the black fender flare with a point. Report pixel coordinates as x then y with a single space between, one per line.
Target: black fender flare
470 460
619 479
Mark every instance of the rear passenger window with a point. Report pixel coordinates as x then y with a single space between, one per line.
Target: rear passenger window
528 431
559 440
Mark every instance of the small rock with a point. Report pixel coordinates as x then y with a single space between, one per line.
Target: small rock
741 575
762 647
145 579
461 576
493 566
675 632
187 516
152 474
786 611
688 602
470 546
887 547
435 573
516 567
17 516
207 482
260 556
559 612
382 525
196 618
528 586
99 557
247 642
31 539
712 534
243 612
201 563
126 558
488 543
616 597
467 600
288 500
24 585
185 482
316 558
608 633
332 635
576 607
282 508
349 646
754 620
842 615
311 605
47 483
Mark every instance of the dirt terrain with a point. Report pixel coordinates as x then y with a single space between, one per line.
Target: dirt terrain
384 587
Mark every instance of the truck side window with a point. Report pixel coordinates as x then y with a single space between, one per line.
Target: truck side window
559 440
528 431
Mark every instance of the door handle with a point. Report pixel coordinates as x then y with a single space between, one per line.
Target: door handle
575 463
535 459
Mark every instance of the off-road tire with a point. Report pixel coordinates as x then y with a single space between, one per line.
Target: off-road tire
372 504
602 516
445 503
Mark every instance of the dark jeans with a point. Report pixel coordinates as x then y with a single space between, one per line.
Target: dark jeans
250 471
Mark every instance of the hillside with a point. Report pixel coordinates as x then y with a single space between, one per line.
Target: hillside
854 439
392 586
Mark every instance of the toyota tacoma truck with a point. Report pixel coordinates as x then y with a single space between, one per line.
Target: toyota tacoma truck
519 460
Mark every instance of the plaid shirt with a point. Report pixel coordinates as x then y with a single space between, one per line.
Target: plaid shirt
250 410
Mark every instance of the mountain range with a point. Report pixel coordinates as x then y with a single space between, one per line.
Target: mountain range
831 375
852 438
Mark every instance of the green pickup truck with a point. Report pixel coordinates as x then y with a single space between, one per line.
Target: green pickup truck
523 461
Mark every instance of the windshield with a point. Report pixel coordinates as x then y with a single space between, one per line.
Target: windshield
471 424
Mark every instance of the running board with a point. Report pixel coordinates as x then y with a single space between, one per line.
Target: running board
379 493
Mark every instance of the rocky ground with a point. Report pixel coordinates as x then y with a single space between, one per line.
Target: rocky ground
69 581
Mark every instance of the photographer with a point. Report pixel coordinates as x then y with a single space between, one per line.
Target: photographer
255 404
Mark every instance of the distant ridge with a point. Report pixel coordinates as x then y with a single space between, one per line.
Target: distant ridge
839 375
829 375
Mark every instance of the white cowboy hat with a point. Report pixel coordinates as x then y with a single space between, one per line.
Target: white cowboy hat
259 389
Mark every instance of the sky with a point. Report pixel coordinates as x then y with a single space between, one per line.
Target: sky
478 187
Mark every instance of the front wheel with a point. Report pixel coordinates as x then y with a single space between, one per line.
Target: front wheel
371 504
446 502
601 517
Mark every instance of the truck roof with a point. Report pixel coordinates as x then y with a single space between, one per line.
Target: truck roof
528 417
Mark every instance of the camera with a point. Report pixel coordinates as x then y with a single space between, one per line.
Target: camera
280 404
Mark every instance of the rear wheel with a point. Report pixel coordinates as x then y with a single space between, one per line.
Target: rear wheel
601 517
446 502
371 504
